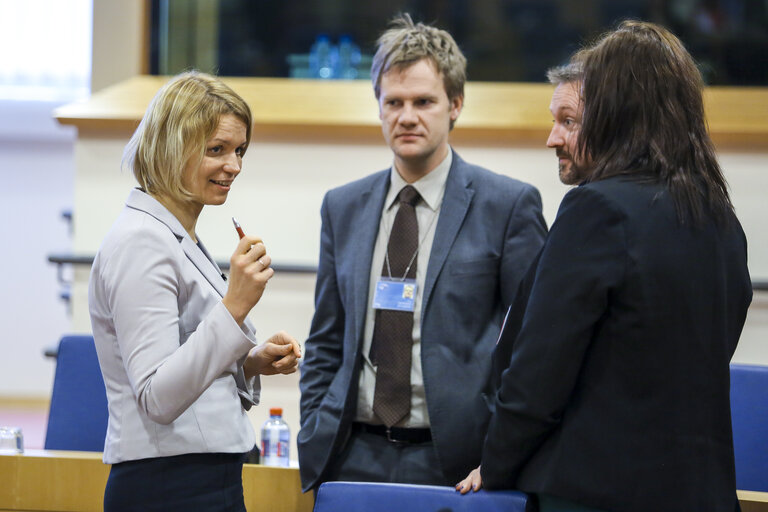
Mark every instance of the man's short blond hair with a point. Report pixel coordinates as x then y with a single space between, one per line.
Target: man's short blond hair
182 116
406 43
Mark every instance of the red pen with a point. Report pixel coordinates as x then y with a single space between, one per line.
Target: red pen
238 228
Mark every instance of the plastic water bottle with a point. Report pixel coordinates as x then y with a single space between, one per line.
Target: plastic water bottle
322 58
275 439
349 59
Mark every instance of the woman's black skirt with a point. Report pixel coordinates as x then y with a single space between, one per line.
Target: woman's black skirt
206 482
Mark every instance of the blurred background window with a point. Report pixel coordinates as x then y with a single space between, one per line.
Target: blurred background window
504 40
46 49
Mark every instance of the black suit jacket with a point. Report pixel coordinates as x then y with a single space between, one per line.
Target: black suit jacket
617 391
489 230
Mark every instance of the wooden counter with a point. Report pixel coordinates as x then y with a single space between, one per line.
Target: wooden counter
74 481
495 113
45 480
751 501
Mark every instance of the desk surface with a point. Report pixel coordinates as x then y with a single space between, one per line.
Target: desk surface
46 480
494 113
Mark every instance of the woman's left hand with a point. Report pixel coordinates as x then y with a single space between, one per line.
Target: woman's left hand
473 481
279 354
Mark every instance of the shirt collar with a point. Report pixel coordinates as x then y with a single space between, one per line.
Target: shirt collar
429 187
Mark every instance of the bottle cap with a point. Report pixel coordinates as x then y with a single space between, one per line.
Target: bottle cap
275 411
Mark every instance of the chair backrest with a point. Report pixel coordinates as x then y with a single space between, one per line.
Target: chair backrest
749 415
77 419
375 497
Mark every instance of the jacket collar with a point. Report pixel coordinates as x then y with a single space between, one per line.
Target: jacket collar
195 252
370 205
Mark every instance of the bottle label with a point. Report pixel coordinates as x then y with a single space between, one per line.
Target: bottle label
275 447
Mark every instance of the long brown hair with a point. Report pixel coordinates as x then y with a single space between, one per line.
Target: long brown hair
644 117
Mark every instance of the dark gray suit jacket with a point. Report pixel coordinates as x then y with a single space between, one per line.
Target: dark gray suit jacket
489 230
617 390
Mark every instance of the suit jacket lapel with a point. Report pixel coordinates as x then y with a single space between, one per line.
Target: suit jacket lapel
198 255
204 263
456 201
201 259
371 204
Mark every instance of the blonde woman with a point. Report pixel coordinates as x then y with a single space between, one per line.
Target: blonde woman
180 361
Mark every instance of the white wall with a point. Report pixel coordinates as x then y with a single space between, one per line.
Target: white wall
37 167
278 197
118 41
37 170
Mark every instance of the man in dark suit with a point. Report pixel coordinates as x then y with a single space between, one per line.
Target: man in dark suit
566 108
418 264
617 392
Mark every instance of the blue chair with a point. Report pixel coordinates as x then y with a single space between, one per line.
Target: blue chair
749 416
376 497
77 419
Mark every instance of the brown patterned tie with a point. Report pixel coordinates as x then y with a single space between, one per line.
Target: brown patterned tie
393 330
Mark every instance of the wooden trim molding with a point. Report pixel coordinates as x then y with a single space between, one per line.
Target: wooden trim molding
75 481
495 114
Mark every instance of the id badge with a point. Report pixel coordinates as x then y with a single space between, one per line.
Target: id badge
395 294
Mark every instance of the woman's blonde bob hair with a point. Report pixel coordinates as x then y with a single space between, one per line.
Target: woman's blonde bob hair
181 118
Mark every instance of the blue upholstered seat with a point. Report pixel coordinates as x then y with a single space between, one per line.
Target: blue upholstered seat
376 497
749 415
77 419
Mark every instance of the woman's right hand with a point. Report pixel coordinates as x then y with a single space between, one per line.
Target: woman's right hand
473 482
249 271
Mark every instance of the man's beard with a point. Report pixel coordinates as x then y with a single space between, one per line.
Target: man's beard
570 172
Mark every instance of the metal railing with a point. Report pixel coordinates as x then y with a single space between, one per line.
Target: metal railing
758 285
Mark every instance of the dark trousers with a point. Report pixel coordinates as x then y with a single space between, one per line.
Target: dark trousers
372 458
206 482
